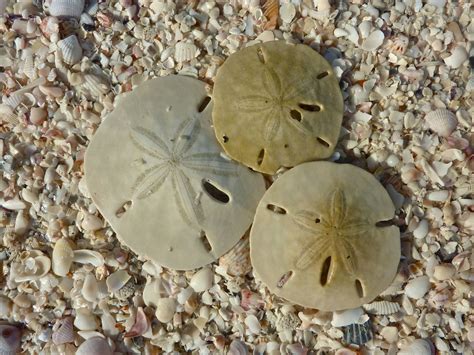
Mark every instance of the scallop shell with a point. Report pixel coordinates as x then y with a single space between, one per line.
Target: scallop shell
7 115
64 332
71 50
95 85
382 307
62 257
117 280
237 260
66 8
184 52
14 100
358 333
10 339
441 121
94 346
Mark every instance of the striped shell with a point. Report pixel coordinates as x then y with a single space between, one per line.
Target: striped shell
237 260
64 332
7 115
358 333
66 8
382 307
95 85
441 121
14 100
94 346
70 49
184 52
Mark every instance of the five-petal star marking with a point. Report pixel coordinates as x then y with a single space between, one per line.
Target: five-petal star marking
174 162
332 232
275 103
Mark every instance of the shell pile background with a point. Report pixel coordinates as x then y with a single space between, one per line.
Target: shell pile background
397 61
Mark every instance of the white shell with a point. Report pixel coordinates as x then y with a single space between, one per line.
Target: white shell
287 12
418 347
421 230
70 49
238 347
14 100
373 41
117 280
95 85
165 309
7 115
184 52
347 317
90 288
10 339
38 115
34 266
382 307
364 28
252 323
441 121
67 8
94 346
237 260
202 280
64 332
417 287
86 256
62 257
457 58
5 307
151 292
85 320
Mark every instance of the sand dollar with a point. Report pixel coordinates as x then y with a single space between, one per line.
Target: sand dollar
277 104
322 238
157 174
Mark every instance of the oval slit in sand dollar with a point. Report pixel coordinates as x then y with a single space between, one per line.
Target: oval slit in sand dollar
330 245
287 93
158 176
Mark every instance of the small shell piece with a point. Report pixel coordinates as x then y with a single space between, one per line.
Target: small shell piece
237 347
70 49
382 307
64 332
34 266
347 317
457 58
184 52
85 256
202 280
10 339
94 346
62 257
418 347
140 326
237 260
373 41
165 309
417 287
95 85
441 121
66 8
117 280
358 333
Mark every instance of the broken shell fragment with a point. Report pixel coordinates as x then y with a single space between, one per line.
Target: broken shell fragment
441 121
347 317
63 331
418 347
457 58
117 280
170 154
382 307
94 346
358 334
340 234
284 109
237 260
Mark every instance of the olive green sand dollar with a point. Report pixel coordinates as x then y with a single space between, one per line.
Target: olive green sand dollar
157 174
277 104
322 237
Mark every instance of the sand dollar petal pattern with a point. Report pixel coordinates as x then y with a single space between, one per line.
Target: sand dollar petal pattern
157 174
277 104
322 237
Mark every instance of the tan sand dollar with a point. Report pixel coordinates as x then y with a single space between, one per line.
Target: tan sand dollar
322 237
277 104
156 173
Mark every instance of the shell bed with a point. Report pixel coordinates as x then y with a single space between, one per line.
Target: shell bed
68 285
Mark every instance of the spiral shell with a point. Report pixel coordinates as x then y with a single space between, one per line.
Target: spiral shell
66 8
70 49
237 260
10 339
64 332
382 307
94 346
441 121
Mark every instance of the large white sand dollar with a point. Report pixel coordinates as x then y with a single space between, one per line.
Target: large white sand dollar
157 174
320 237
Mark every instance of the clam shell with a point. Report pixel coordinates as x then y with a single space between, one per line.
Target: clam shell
382 307
358 333
418 347
347 317
237 260
238 347
62 257
66 8
202 280
94 346
5 307
85 256
117 280
10 339
64 332
70 49
441 121
95 85
184 52
417 287
165 309
140 326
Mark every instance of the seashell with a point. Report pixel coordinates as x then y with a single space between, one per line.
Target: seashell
94 346
238 347
38 115
165 309
271 13
237 260
462 261
10 339
66 8
86 256
457 58
287 12
70 49
127 290
117 280
421 230
390 334
5 307
252 323
85 320
62 257
7 115
444 272
418 347
152 292
365 27
202 280
51 91
140 326
64 332
95 85
21 223
373 41
417 287
323 5
90 288
34 267
184 52
92 223
358 333
28 64
382 307
441 121
14 100
438 196
347 317
399 45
